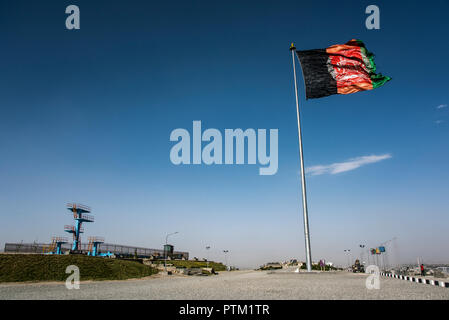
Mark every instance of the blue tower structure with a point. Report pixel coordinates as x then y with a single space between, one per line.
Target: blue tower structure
94 243
59 241
56 244
80 214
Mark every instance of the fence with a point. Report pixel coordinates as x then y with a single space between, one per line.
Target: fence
104 247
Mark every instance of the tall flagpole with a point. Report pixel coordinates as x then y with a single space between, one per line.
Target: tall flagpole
303 176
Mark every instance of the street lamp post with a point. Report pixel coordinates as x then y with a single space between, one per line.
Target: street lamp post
226 258
362 246
386 263
348 251
165 249
207 255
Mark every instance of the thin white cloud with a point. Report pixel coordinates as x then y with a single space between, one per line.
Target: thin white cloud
348 165
439 121
441 106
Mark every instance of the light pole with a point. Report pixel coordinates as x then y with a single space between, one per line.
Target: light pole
362 246
226 258
165 249
347 251
207 255
386 263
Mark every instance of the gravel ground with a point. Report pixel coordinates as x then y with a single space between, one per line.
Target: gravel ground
232 285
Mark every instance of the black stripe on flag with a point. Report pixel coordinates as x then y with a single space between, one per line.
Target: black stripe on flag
318 79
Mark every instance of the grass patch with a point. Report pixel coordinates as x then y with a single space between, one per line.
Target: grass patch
193 264
37 267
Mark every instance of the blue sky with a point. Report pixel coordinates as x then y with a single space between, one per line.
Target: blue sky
86 116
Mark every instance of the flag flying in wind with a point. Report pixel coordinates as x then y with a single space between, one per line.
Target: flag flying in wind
339 69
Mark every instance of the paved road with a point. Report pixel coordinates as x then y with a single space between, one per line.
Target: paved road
232 285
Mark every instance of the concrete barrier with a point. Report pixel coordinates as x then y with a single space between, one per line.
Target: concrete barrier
440 283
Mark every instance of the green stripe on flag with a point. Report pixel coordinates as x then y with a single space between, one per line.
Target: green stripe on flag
377 80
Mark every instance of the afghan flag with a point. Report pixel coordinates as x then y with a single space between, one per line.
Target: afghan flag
339 69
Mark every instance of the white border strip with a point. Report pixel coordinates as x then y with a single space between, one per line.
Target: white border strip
438 283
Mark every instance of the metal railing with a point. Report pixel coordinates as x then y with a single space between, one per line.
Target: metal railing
96 239
79 206
71 229
59 239
104 247
86 217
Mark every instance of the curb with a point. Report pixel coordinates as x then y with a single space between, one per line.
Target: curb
443 284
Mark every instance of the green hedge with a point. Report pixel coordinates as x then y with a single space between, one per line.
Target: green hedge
37 267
